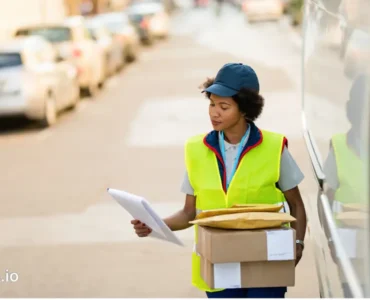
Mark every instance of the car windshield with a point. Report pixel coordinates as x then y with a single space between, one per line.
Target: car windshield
52 34
10 60
145 8
116 26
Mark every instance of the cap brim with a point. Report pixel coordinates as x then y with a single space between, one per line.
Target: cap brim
221 90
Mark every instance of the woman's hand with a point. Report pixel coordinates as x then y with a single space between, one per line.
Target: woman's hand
299 253
141 229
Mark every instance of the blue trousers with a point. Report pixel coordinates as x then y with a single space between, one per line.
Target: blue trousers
275 292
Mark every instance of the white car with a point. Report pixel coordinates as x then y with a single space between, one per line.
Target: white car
263 10
75 44
109 43
33 83
120 26
156 15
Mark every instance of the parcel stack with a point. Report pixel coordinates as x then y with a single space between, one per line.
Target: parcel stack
246 246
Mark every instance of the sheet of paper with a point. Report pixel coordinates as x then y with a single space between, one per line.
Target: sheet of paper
280 244
140 209
227 275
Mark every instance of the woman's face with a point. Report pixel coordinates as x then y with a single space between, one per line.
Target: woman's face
224 113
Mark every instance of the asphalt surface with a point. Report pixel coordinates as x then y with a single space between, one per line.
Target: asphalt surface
60 231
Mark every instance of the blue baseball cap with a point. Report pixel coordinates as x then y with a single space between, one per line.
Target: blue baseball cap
232 78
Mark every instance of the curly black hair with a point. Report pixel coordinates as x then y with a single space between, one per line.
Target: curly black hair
250 102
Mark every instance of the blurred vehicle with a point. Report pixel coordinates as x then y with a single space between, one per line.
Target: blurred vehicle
286 4
109 43
151 19
295 11
33 83
120 26
169 5
201 3
75 44
263 10
336 124
218 7
235 3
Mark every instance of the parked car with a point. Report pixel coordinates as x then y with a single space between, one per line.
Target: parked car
75 44
257 10
151 19
120 26
33 83
109 43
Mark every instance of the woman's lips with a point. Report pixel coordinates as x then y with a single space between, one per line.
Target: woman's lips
215 123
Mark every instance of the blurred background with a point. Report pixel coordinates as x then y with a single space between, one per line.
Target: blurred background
104 93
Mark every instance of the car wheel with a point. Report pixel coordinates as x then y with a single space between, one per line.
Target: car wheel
131 58
51 113
92 90
150 40
164 37
130 55
74 103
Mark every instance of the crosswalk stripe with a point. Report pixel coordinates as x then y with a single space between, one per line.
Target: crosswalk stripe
104 222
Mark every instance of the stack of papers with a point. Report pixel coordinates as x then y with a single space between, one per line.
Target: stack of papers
140 209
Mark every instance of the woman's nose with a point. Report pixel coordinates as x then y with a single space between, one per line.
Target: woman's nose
214 112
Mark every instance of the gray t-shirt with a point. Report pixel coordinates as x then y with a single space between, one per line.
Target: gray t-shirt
290 173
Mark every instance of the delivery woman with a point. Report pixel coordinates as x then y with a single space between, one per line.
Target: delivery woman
236 163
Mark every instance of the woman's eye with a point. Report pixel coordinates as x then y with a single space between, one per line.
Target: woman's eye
211 104
223 108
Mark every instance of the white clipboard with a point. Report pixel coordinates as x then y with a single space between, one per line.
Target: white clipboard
140 209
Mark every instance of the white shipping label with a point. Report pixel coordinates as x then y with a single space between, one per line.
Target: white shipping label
227 275
280 244
348 238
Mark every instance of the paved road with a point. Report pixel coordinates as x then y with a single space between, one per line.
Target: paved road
60 231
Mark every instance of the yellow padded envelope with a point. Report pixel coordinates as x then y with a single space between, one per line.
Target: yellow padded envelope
239 209
248 220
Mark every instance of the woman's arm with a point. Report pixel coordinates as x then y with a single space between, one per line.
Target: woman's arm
181 219
297 210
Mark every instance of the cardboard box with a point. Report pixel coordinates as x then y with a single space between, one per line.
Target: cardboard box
247 258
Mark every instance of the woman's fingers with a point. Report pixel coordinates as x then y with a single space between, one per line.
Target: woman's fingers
143 230
135 222
140 228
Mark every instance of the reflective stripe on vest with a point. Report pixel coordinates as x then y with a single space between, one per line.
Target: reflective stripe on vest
254 182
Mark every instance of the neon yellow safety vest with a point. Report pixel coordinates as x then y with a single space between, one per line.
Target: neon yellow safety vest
254 182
